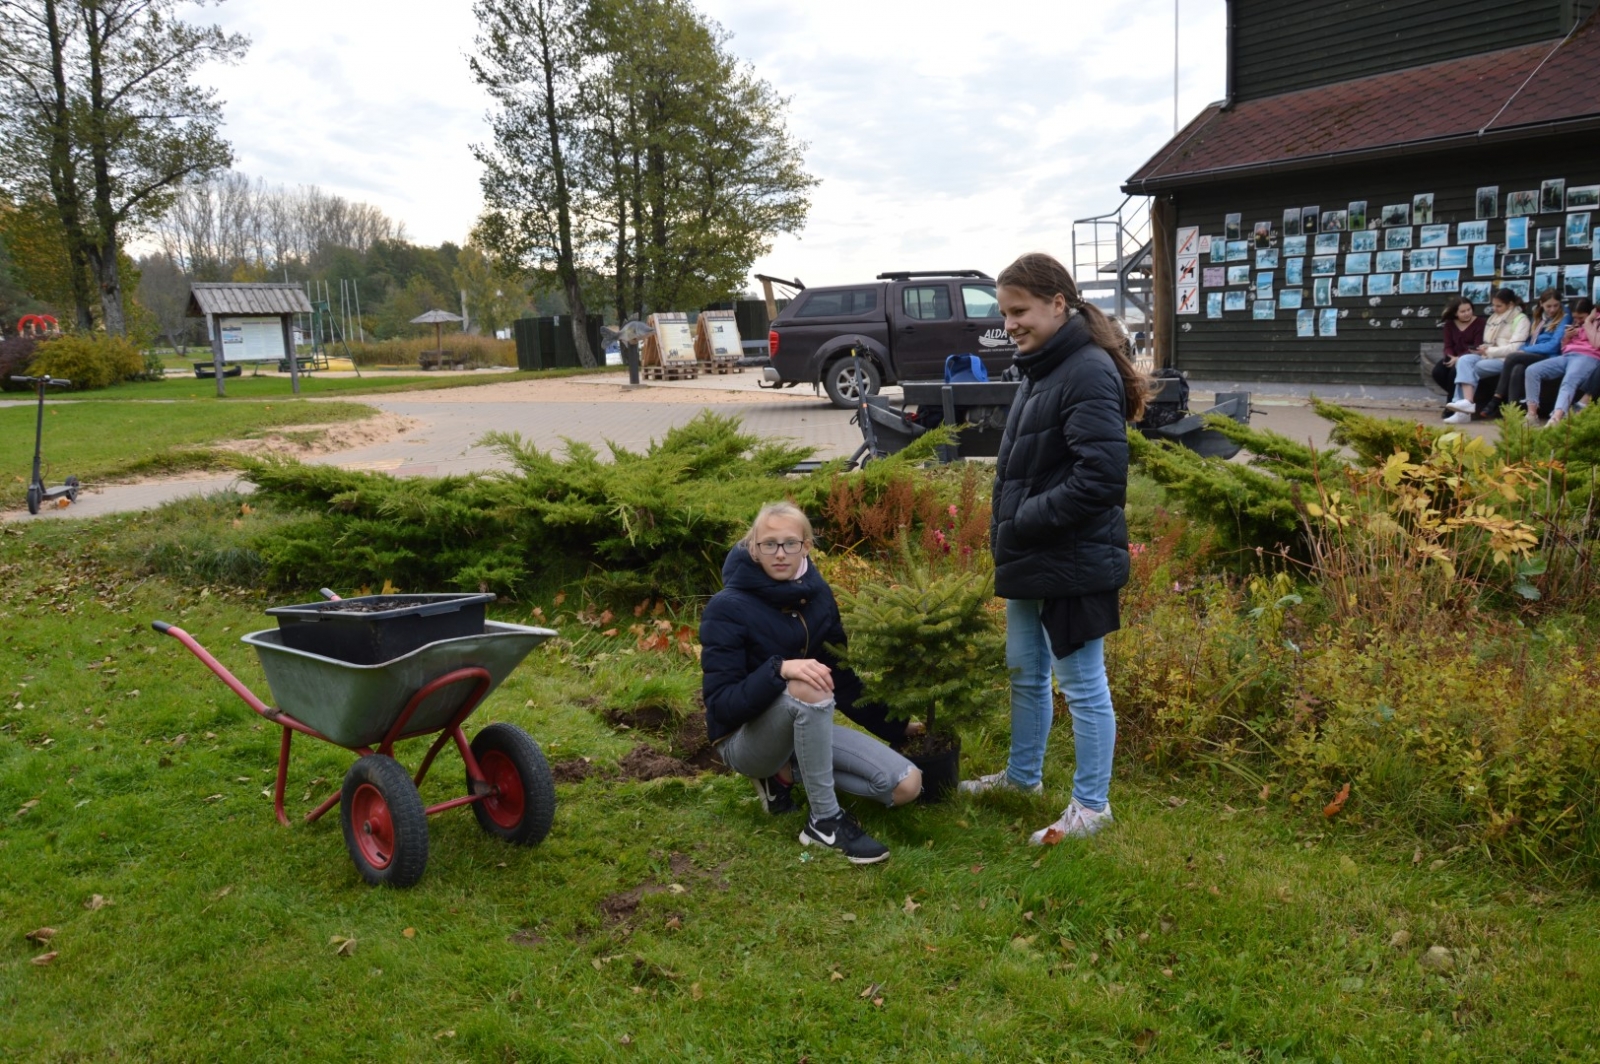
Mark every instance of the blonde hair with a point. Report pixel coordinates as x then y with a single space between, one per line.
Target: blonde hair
786 510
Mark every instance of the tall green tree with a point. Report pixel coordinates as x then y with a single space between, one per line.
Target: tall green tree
101 116
530 59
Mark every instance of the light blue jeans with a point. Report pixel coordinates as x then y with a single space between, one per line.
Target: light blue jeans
1573 370
1471 367
1082 676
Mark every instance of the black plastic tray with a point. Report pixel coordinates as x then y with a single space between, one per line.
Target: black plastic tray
372 636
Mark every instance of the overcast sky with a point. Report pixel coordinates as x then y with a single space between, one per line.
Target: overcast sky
947 133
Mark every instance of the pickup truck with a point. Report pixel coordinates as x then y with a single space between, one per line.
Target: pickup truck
906 323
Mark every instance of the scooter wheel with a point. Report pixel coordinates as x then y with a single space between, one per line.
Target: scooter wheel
35 498
74 484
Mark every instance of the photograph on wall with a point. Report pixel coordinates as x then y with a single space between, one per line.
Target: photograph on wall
1238 275
1552 195
1351 287
1482 260
1266 236
1214 276
1595 290
1267 259
1291 222
1264 285
1517 265
1548 245
1520 204
1327 244
1396 214
1294 245
1262 310
1358 263
1328 322
1333 221
1305 323
1381 284
1213 304
1389 261
1594 246
1516 234
1397 238
1433 236
1219 249
1578 230
1230 226
1357 215
1476 292
1324 265
1425 260
1413 284
1238 251
1488 201
1444 281
1546 278
1233 301
1308 219
1453 258
1294 271
1291 298
1422 208
1575 281
1364 240
1472 232
1519 287
1322 291
1583 197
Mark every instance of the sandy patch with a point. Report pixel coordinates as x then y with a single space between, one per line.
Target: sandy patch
708 391
309 441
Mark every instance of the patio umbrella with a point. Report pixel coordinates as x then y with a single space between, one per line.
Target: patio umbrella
436 318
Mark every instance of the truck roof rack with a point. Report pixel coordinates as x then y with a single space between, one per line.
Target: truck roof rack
906 275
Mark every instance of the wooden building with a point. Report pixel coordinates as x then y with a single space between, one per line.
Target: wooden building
1371 158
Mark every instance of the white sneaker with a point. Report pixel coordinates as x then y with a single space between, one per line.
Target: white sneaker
1077 822
1462 406
1458 418
996 781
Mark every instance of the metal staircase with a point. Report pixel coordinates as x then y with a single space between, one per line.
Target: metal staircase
1111 262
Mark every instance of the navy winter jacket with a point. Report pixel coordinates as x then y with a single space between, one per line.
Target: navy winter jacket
1057 528
752 626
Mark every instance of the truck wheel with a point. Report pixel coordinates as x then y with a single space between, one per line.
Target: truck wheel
844 384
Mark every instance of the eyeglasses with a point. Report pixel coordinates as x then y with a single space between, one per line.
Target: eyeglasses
769 547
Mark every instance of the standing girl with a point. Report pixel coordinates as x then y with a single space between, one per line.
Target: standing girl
1058 535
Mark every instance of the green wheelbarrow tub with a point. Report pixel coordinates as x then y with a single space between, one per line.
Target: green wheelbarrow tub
356 705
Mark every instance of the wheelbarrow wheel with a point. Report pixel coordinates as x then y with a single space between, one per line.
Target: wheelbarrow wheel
385 826
523 804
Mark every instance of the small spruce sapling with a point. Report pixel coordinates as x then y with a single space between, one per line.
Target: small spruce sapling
928 646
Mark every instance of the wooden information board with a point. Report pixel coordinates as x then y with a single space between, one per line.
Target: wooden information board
671 344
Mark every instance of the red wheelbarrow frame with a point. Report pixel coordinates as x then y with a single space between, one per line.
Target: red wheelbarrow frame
482 788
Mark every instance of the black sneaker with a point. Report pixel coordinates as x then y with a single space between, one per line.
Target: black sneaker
842 833
775 795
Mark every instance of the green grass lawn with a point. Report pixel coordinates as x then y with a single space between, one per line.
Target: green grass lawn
672 920
104 441
377 381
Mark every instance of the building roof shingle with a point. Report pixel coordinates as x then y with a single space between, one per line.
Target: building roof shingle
1487 97
206 298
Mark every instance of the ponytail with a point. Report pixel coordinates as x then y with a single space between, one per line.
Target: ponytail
1044 277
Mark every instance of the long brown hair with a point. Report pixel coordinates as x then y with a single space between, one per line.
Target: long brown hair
1043 277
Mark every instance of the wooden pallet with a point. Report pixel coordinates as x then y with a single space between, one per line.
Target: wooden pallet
722 364
673 371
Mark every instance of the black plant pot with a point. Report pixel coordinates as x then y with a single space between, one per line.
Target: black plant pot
940 761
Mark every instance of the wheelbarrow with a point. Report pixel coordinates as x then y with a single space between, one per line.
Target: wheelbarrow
369 708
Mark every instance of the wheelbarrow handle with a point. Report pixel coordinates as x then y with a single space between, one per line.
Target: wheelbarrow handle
217 667
329 594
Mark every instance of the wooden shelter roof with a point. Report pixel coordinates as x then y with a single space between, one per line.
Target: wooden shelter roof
213 298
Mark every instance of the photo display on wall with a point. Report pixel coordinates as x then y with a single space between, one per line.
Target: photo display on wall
1314 262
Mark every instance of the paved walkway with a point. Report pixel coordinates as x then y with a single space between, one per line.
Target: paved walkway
602 408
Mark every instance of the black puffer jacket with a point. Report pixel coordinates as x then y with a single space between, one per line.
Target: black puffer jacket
752 625
1061 478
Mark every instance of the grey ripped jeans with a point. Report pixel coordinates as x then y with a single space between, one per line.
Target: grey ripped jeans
829 755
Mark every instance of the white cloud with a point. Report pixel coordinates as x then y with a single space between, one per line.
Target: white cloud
948 133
